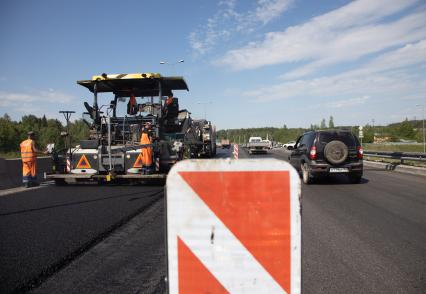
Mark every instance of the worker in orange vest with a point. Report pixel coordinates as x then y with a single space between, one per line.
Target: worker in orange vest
169 100
29 161
147 153
132 107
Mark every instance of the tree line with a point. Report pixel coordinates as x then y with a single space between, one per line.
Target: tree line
406 130
12 133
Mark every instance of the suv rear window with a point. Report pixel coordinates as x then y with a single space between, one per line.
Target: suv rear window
345 137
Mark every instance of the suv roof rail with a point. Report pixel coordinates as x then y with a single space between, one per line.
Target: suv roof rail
344 129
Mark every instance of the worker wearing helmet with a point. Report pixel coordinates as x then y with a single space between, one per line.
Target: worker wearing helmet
29 161
147 153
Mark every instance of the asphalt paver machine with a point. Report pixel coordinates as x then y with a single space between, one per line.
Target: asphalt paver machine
113 150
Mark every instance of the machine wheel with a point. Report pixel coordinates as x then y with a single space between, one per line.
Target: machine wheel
209 152
306 174
60 182
187 153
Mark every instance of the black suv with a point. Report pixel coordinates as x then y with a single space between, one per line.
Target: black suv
320 153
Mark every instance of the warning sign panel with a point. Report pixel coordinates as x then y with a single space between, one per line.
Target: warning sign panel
138 162
233 227
83 162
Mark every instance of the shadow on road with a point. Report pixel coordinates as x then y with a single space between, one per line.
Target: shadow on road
337 180
154 193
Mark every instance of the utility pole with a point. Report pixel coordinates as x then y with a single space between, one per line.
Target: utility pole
423 126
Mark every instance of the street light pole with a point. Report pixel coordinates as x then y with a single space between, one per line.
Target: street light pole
423 127
204 106
172 64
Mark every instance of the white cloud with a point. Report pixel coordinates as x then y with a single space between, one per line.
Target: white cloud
267 10
392 74
348 102
8 99
409 55
227 21
44 102
345 34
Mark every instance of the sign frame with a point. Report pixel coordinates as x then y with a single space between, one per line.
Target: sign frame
173 190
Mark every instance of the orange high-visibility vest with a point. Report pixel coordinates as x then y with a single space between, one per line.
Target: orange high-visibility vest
27 152
146 151
169 100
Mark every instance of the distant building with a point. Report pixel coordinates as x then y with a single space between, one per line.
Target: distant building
380 138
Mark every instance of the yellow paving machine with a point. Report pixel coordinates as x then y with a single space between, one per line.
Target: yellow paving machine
113 150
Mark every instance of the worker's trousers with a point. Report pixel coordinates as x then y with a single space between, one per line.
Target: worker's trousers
29 171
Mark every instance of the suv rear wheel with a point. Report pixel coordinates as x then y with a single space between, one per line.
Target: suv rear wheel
336 152
306 174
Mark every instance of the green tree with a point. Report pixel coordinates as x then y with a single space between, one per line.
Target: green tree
44 121
406 130
78 131
323 125
9 137
331 122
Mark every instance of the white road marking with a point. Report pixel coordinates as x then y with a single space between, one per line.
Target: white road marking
22 189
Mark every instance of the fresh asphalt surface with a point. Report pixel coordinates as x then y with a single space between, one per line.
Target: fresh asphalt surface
365 238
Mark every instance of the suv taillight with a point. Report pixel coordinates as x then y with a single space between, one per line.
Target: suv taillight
313 153
360 152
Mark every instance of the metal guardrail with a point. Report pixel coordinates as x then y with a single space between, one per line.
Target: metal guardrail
409 156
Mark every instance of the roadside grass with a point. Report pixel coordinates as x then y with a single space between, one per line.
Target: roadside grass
395 148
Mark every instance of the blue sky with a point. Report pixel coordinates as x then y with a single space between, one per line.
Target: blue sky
247 63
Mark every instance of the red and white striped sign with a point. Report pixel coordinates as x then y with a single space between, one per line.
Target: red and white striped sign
157 164
235 151
233 226
68 165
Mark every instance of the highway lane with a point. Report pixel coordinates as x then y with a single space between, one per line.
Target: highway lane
42 230
365 238
130 260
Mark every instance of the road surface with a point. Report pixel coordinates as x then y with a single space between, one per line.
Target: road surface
365 238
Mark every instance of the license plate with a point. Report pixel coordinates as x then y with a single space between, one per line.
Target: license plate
339 170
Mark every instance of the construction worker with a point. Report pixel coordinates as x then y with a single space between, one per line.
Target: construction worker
146 138
169 100
132 107
29 161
